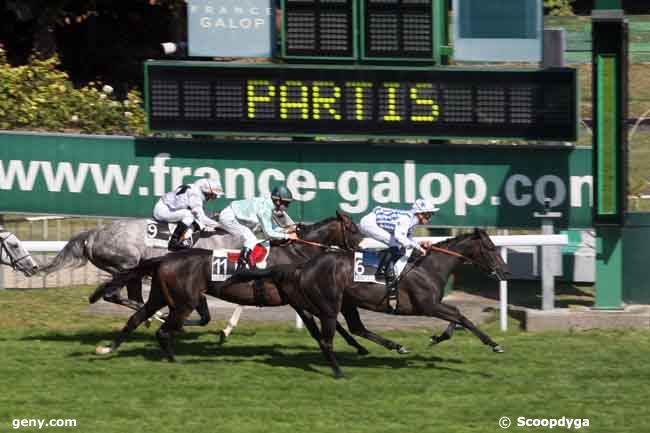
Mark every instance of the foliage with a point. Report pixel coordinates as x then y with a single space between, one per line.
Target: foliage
559 7
38 96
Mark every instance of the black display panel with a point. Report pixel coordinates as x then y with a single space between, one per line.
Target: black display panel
398 29
325 100
318 28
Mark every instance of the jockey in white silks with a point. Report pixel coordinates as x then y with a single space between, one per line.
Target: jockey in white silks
184 206
242 216
394 228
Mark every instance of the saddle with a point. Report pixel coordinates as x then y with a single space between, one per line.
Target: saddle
224 261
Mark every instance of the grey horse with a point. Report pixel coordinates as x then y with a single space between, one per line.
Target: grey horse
120 246
13 253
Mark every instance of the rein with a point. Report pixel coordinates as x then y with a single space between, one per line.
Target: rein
449 252
317 244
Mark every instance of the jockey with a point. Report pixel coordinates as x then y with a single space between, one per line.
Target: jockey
243 215
394 228
184 206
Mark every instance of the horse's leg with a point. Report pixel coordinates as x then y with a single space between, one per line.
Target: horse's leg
154 303
134 290
328 330
453 314
204 313
114 298
324 339
351 340
446 335
353 319
232 323
173 324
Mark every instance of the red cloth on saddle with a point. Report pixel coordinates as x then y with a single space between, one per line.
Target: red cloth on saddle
257 255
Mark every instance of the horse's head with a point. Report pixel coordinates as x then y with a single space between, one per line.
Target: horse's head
14 254
477 248
485 255
340 231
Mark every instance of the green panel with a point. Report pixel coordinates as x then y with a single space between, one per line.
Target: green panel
607 140
123 176
636 238
503 19
609 268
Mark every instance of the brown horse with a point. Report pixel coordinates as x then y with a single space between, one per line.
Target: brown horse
324 287
180 279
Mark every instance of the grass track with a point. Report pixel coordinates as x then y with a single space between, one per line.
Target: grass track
273 378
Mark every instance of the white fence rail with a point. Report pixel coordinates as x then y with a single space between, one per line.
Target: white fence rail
500 241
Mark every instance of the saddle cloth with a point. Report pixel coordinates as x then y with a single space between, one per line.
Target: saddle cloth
157 233
366 263
224 261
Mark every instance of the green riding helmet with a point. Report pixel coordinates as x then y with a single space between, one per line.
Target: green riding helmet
282 193
281 197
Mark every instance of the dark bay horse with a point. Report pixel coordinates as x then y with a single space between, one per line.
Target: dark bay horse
324 287
180 279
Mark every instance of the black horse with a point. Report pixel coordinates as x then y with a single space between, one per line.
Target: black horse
324 287
180 279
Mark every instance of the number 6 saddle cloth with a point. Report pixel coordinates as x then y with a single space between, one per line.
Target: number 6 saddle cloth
366 263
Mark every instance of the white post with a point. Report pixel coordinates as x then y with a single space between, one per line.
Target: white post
299 324
503 295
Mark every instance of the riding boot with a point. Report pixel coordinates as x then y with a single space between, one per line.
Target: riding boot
175 241
391 279
244 258
381 266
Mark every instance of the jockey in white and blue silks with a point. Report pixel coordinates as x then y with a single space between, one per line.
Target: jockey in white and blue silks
394 228
242 216
184 206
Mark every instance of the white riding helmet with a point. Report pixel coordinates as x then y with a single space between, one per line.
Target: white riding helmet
209 186
424 206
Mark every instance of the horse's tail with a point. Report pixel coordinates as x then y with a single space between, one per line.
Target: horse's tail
145 268
73 254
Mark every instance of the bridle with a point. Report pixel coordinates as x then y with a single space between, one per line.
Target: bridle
4 248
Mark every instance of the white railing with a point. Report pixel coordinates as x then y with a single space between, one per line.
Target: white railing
500 241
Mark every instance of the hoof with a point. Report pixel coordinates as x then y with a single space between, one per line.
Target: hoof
433 340
103 350
403 350
362 352
498 349
339 375
222 338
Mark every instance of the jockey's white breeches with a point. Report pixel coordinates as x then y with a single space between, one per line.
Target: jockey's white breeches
229 222
368 226
162 212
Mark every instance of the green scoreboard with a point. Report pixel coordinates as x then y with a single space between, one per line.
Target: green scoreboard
609 81
294 100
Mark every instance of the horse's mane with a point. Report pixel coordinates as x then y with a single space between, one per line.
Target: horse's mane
446 242
308 228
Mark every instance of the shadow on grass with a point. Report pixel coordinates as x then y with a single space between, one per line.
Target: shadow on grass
304 357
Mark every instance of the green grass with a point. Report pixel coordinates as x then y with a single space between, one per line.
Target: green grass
273 378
